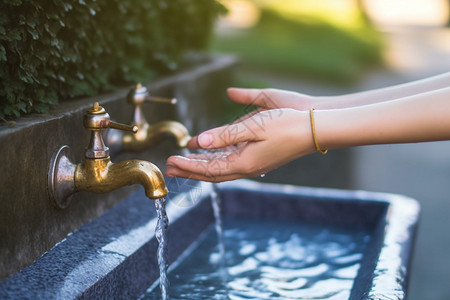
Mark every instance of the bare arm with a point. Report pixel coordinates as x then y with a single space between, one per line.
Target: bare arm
274 137
418 118
276 99
384 94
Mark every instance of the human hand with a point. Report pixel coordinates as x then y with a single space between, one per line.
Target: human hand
271 99
247 148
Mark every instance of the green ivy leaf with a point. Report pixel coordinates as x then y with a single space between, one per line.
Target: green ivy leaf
2 53
21 106
42 108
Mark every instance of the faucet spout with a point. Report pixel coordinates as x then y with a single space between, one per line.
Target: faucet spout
102 176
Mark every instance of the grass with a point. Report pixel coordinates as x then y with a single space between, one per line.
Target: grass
313 45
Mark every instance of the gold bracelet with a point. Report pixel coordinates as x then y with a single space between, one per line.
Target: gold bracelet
311 116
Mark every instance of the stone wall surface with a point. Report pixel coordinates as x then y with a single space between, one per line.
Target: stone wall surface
29 224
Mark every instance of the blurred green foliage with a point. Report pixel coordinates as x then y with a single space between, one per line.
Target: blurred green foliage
305 46
59 49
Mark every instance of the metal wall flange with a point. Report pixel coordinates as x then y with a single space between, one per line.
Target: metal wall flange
61 177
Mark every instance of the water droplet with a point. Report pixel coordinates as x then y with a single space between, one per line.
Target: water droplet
185 152
262 175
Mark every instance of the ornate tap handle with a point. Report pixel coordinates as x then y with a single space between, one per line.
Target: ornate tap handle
97 119
140 95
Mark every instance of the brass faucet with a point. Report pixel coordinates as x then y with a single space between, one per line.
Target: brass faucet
148 135
97 173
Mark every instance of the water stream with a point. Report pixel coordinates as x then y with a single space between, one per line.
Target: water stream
216 202
161 229
161 235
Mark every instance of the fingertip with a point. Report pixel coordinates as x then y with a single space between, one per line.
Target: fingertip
176 157
242 95
172 160
170 171
234 91
193 143
205 140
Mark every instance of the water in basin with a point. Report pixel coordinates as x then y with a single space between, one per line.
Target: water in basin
268 259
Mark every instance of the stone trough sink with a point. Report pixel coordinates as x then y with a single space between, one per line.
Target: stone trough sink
114 256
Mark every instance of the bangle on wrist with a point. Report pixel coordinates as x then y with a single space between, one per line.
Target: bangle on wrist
313 129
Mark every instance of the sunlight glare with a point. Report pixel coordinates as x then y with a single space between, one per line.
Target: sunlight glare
409 12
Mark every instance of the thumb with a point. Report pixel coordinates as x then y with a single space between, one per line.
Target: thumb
224 136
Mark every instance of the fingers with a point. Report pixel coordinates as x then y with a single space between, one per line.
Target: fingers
225 136
249 115
265 98
209 155
203 167
175 172
193 144
244 96
270 98
218 166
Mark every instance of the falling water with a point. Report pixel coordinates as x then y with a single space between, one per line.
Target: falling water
161 235
215 202
185 151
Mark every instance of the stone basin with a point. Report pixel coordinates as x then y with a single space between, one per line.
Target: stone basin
114 256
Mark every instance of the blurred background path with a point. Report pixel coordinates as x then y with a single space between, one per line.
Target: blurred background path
417 46
421 171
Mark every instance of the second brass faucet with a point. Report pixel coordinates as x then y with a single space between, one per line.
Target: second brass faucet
148 135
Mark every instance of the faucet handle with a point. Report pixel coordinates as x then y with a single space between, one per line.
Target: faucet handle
96 118
123 127
140 95
161 100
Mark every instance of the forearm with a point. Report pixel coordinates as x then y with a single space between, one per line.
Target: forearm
418 118
385 94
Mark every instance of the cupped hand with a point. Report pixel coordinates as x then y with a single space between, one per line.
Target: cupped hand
247 148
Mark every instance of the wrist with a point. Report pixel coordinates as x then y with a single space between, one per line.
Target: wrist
296 133
349 127
331 129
